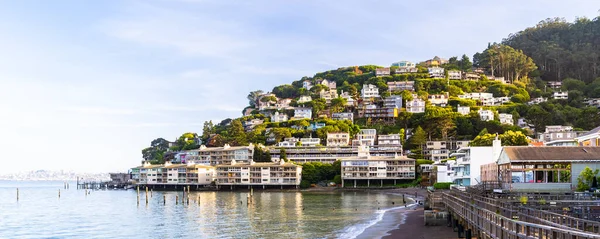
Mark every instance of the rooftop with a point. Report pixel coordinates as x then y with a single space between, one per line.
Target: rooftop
524 153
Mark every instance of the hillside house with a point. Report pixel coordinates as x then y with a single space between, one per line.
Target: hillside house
454 75
471 76
537 100
394 101
369 91
463 110
404 64
389 139
338 139
349 99
303 113
415 105
436 72
304 99
405 70
306 84
560 95
590 138
382 71
438 99
328 95
343 116
485 115
394 86
554 84
506 118
330 84
277 117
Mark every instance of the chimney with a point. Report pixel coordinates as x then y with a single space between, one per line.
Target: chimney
496 147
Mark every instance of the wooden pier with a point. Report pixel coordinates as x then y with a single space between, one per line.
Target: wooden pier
473 215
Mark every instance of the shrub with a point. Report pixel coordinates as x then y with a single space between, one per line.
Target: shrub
304 184
441 185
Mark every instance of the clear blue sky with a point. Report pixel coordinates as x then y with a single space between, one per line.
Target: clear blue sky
85 85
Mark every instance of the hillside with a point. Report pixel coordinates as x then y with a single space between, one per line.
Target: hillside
515 80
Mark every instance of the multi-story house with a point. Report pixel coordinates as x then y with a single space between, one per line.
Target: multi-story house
463 110
369 91
436 72
438 99
593 102
389 139
405 70
485 115
466 169
558 135
382 71
304 99
306 84
310 142
302 113
415 105
506 119
277 117
379 169
454 75
170 174
393 101
365 137
224 155
328 95
349 99
338 139
560 95
261 174
394 86
440 150
343 116
329 84
250 124
471 76
372 111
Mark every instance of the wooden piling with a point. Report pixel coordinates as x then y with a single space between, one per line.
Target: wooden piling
164 199
188 199
59 193
150 193
176 199
198 199
17 194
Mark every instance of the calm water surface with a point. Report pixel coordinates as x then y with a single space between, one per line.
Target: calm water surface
39 213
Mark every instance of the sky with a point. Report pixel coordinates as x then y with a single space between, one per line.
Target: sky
86 85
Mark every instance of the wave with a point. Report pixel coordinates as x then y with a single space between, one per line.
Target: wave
354 231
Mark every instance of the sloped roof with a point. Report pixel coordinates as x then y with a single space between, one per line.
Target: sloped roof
552 153
593 131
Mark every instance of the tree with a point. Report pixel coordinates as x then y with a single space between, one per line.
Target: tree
281 133
282 154
586 178
253 97
207 130
465 63
508 138
237 133
338 104
538 116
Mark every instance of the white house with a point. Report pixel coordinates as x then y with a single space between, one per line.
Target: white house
403 64
349 100
415 105
537 100
454 75
369 91
436 72
466 170
393 101
463 110
438 99
389 139
382 72
328 95
306 84
366 137
304 99
560 95
506 119
329 84
277 117
485 115
310 141
303 113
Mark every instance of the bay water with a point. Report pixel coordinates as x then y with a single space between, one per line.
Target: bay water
40 213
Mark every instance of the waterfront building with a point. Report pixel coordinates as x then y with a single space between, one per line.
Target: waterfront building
544 169
394 86
436 72
454 75
302 113
329 154
463 110
260 174
173 174
415 105
466 169
224 155
382 71
343 116
379 169
506 118
338 139
369 91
